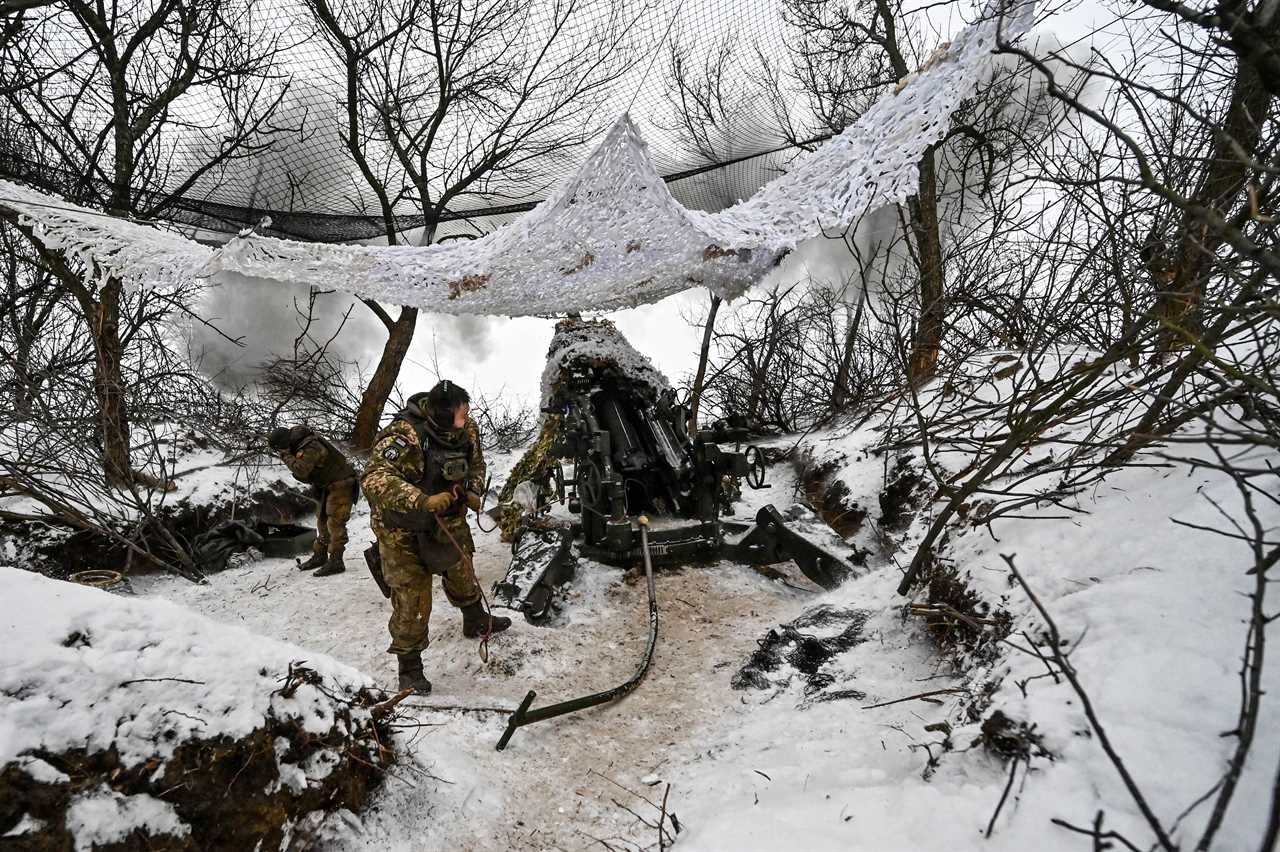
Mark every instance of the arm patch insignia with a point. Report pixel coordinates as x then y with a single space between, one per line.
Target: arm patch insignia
396 448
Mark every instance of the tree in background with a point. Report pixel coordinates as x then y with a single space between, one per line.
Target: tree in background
115 99
844 58
449 103
709 105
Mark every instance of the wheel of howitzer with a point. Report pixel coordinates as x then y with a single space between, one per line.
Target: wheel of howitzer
755 467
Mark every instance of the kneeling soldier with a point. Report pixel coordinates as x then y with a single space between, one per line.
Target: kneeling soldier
425 470
318 463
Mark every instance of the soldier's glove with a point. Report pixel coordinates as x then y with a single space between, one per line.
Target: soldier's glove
473 499
438 503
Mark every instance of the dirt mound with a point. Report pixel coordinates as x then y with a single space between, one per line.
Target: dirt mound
58 552
828 496
258 791
135 723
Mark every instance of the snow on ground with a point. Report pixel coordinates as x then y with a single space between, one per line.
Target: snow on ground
85 670
555 785
1155 612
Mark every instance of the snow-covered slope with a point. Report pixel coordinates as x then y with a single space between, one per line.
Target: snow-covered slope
93 681
1155 612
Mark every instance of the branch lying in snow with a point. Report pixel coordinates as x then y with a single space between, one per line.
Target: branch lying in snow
664 816
918 695
159 679
1068 671
1099 836
1013 771
461 708
380 710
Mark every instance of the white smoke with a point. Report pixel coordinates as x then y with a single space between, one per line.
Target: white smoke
252 321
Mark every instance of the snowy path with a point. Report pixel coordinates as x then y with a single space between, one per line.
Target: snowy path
556 785
777 769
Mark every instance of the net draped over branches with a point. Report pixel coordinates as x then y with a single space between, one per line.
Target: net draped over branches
610 236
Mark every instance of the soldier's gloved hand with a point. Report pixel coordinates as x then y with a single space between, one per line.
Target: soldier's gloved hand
438 503
473 500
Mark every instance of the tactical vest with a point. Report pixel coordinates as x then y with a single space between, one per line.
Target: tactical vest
446 463
335 466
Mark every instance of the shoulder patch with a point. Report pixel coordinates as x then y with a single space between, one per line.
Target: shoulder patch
395 448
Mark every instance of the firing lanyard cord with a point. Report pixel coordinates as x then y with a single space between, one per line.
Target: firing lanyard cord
488 623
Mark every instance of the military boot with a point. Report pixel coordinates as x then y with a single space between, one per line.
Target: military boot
318 557
476 621
411 676
334 565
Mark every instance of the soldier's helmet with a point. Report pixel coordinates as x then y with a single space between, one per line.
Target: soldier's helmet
443 399
279 439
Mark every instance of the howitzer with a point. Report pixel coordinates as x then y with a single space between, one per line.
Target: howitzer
623 432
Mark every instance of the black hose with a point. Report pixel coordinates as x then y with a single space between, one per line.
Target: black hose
524 716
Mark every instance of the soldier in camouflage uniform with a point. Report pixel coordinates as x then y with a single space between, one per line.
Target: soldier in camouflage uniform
425 470
318 463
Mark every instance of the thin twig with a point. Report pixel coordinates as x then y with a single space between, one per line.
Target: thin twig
917 695
1013 771
1055 645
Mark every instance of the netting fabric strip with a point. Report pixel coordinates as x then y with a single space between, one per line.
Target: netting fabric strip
104 245
611 236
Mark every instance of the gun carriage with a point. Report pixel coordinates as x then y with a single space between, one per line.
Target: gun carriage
616 423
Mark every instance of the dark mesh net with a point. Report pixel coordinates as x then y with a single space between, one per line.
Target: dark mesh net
294 167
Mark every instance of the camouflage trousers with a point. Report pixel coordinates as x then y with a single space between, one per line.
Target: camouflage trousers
333 510
408 571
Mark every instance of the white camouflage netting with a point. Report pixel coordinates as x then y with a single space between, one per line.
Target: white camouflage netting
609 237
597 342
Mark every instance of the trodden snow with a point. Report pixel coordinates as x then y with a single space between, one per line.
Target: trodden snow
1157 633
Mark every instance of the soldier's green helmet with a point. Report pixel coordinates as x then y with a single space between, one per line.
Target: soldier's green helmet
279 439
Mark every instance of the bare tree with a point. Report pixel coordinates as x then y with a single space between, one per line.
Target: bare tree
844 59
709 103
450 104
106 93
1134 312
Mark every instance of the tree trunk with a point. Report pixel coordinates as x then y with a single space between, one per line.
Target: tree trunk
24 385
108 384
840 388
927 341
102 315
1221 184
695 395
374 399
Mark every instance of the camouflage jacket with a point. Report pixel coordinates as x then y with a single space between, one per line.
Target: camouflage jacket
398 477
315 461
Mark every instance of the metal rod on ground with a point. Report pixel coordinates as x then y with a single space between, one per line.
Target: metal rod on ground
524 716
